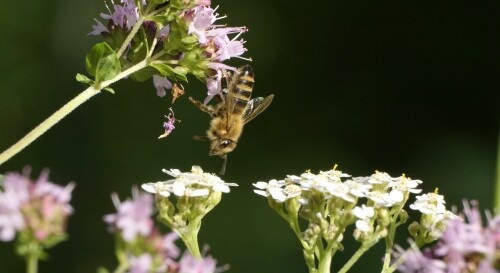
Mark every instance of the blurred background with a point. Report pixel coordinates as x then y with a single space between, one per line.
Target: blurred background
398 86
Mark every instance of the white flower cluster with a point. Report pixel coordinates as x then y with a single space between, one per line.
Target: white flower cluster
190 184
380 190
435 214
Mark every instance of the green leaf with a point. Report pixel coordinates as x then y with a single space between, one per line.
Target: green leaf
170 72
190 39
144 74
109 89
83 79
97 52
108 67
102 62
164 69
181 70
178 4
161 19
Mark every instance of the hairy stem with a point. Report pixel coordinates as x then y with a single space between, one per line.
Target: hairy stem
48 123
64 111
131 35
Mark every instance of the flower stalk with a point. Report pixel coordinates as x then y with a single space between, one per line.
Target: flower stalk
66 110
32 263
48 123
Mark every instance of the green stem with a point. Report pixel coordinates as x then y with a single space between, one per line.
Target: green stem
497 190
389 241
395 265
355 258
131 35
32 263
64 111
48 123
192 245
325 261
189 236
293 221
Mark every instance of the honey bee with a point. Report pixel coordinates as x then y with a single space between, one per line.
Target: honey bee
231 114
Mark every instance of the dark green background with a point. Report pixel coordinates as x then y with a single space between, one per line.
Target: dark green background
398 86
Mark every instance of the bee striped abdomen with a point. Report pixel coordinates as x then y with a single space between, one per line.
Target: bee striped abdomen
242 90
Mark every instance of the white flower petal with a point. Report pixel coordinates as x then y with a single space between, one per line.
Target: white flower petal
149 187
362 226
178 188
263 193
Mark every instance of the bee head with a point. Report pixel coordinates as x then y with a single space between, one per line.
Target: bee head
221 147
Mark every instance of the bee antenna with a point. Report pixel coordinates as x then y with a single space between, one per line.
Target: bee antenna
223 168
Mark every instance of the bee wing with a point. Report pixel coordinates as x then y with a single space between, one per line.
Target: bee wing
256 106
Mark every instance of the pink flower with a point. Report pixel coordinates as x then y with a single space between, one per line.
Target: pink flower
11 218
98 28
202 18
161 84
169 245
141 264
41 206
169 124
133 216
228 48
465 244
164 31
124 16
189 264
214 86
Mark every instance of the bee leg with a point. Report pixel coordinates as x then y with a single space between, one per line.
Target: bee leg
203 107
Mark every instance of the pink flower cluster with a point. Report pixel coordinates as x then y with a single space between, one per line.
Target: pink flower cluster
40 207
152 251
217 45
465 246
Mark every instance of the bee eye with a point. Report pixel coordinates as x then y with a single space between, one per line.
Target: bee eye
225 143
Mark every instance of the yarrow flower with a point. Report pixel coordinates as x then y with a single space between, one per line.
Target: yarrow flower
183 201
133 216
330 201
191 184
40 207
465 246
434 216
364 215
